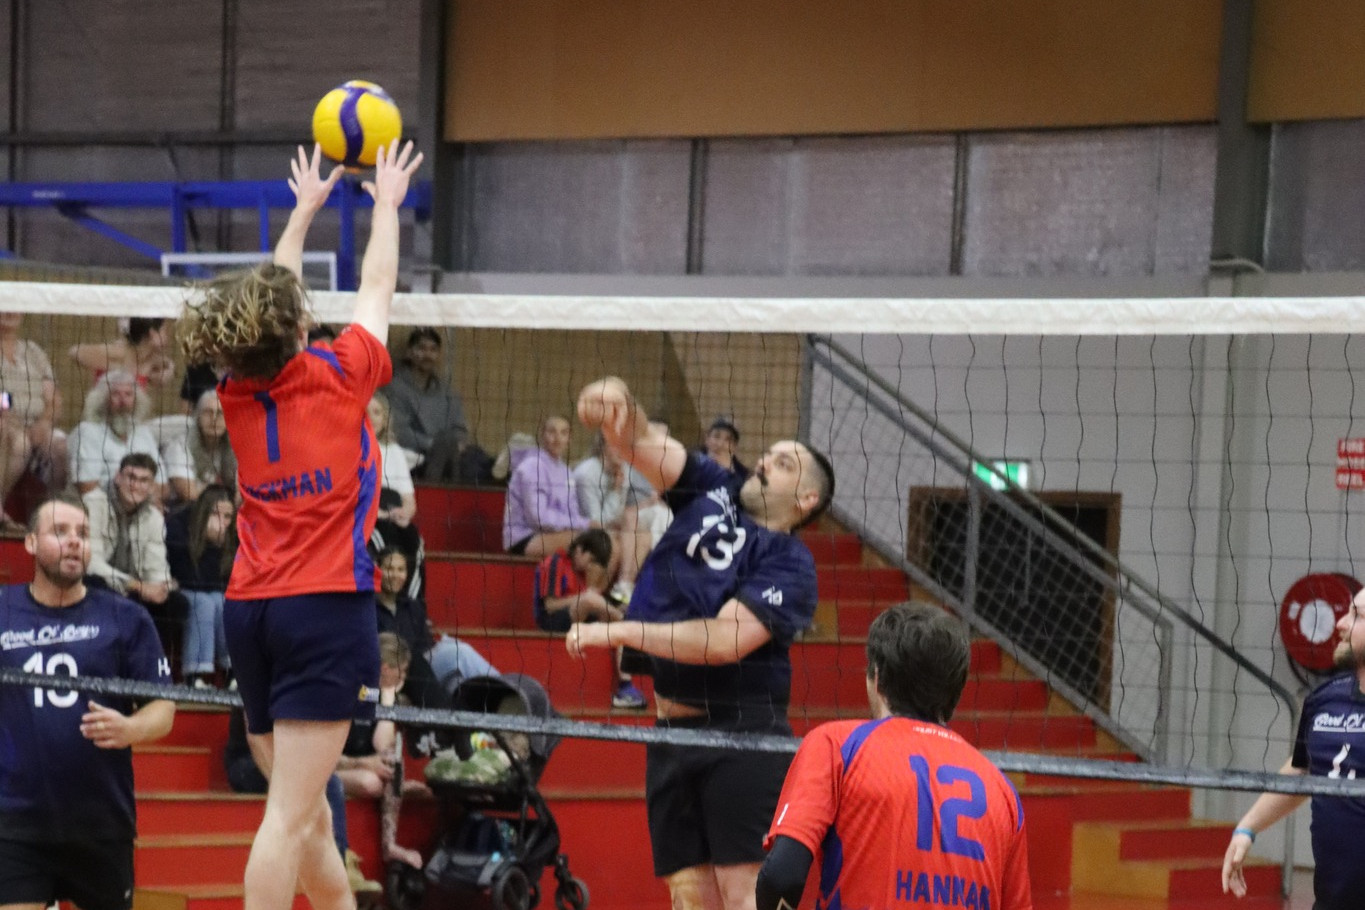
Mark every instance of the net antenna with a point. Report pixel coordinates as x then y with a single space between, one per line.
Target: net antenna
319 268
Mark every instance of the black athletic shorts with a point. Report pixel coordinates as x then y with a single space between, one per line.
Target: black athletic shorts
709 806
93 875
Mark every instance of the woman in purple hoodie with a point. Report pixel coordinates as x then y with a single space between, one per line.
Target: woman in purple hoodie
542 515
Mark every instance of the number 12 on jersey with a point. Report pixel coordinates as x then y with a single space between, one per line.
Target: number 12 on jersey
950 812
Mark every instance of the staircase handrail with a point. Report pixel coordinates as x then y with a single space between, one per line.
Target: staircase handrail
962 459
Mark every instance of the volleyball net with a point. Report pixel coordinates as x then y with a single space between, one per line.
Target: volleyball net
1118 496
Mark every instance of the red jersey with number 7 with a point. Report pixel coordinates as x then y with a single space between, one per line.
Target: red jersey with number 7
308 470
901 811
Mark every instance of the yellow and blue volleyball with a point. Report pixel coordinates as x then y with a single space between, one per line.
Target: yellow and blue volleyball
353 120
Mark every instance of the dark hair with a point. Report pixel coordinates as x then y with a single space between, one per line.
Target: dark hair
824 483
139 327
246 321
596 543
394 551
724 423
138 460
919 655
66 498
200 512
424 333
322 332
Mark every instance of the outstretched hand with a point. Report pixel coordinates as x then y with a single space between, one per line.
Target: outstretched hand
607 405
310 188
1234 879
392 171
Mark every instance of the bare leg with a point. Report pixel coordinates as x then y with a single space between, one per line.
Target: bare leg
57 455
737 884
21 907
695 888
13 457
294 845
390 804
629 537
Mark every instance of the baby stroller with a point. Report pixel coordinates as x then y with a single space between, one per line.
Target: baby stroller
499 835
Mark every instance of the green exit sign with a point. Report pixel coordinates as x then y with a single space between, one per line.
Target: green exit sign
1016 471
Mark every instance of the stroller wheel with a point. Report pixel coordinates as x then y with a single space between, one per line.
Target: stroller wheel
511 889
405 887
572 895
534 900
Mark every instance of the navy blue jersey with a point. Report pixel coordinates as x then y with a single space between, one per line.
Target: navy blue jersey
712 552
1331 743
56 785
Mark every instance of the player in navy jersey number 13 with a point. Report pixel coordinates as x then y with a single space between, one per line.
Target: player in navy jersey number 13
1330 743
66 767
902 810
299 617
716 606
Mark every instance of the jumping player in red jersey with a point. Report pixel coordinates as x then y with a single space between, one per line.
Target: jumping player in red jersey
901 808
300 612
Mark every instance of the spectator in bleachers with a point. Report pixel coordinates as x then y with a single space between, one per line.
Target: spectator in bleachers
442 660
371 761
541 514
109 430
128 545
721 445
614 495
30 443
397 497
141 351
428 415
203 456
407 618
569 588
199 378
200 544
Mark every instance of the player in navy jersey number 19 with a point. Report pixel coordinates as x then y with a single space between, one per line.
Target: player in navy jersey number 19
901 809
300 611
67 818
1330 743
716 606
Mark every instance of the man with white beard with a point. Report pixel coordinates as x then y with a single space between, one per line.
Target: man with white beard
109 430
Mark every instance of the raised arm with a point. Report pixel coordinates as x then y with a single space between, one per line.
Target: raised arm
608 405
310 194
379 269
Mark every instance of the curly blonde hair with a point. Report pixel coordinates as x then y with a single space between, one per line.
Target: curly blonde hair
247 322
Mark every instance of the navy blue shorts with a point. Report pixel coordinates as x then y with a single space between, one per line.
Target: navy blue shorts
94 875
306 657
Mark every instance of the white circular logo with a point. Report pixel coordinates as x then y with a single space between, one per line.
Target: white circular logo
1317 622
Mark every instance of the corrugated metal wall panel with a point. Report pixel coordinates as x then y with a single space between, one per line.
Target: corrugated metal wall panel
286 61
1088 202
608 207
1317 192
122 65
849 206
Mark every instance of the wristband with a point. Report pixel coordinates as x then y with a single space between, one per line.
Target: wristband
1247 831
